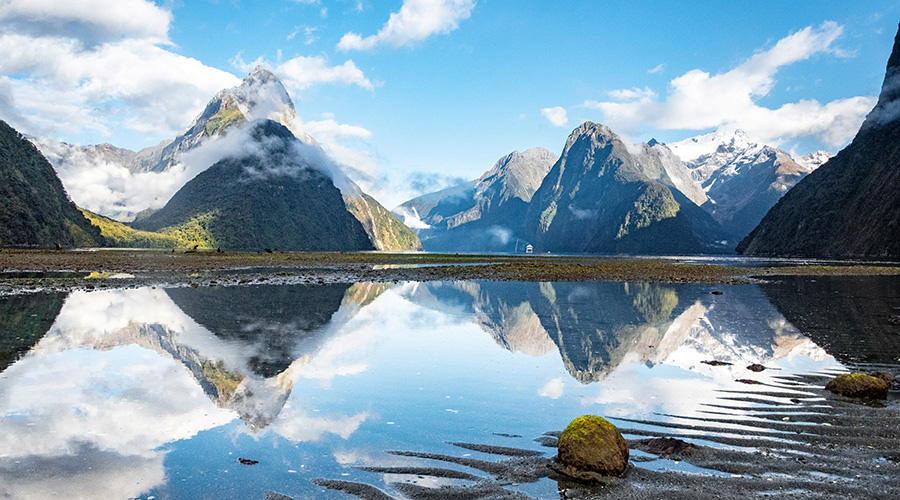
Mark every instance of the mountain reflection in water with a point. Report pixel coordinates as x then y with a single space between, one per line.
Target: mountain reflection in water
596 325
139 392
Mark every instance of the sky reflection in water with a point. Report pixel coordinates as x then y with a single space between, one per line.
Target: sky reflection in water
151 392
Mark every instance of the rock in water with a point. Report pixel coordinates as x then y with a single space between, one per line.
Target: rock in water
591 446
858 385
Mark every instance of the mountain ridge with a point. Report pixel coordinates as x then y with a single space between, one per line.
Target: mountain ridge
486 214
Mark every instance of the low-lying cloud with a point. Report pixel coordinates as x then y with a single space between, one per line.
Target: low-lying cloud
111 189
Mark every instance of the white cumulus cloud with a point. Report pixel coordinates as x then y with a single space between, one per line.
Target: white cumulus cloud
303 72
698 100
98 65
557 116
415 21
92 20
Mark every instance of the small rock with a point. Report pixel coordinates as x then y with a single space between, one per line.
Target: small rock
247 461
748 381
271 495
716 363
666 447
716 292
755 367
858 385
590 447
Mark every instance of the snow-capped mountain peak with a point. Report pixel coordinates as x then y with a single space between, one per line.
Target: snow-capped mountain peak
814 160
692 148
261 95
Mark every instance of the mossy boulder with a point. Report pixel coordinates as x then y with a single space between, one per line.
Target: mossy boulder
859 385
591 448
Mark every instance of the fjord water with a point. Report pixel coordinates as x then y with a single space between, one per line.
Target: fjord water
157 393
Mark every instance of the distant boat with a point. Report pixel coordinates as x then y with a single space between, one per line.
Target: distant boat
529 249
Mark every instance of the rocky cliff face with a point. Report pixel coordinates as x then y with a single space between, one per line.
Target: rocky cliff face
35 210
850 207
599 197
487 214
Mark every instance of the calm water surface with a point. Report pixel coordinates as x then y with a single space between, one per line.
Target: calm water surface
156 393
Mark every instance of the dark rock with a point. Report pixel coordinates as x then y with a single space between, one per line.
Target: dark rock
271 495
748 381
590 448
756 368
859 385
716 363
666 447
247 461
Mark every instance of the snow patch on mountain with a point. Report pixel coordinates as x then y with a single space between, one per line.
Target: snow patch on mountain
813 160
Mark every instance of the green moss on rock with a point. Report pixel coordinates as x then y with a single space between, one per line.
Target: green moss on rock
859 385
591 447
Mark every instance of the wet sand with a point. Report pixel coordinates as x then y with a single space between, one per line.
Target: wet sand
791 439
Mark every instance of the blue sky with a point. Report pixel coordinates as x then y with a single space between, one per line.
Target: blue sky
418 93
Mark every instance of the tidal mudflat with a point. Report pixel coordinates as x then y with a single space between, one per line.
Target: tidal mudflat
264 381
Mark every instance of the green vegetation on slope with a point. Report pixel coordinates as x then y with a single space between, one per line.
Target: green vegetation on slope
35 210
120 235
24 319
384 228
226 117
654 204
195 231
226 382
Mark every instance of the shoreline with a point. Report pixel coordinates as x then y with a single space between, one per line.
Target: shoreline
27 271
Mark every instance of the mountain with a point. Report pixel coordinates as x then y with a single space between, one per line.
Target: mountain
35 210
599 197
487 214
849 207
271 196
261 96
742 179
